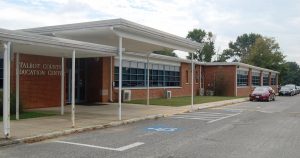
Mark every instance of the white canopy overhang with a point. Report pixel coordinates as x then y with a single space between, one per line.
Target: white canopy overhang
28 43
136 37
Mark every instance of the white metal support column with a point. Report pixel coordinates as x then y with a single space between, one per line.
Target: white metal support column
200 78
235 82
261 78
17 86
192 87
120 78
73 88
110 78
62 84
6 90
148 82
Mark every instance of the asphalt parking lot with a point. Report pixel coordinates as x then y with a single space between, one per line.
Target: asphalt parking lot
250 129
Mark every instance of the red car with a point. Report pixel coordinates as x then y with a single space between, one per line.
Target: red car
262 94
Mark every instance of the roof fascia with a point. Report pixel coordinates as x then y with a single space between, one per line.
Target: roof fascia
40 40
239 64
124 28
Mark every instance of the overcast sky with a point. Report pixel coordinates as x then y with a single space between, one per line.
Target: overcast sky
225 18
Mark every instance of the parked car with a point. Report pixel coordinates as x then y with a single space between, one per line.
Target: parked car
293 87
262 94
298 89
286 90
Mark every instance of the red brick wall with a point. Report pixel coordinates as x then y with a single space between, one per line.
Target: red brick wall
211 73
244 91
105 78
98 79
37 91
184 90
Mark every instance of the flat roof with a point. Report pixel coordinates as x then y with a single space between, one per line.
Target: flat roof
238 64
125 29
53 46
129 29
178 59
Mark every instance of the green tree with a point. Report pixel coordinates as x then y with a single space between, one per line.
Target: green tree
227 54
167 52
240 49
290 74
208 50
265 52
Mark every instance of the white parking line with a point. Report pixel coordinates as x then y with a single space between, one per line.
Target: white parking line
267 112
223 118
123 148
191 118
231 109
210 113
202 115
209 117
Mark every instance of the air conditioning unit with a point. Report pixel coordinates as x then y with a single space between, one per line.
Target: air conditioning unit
201 92
126 95
168 94
209 93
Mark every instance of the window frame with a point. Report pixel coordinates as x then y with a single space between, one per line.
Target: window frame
256 79
266 78
160 75
242 78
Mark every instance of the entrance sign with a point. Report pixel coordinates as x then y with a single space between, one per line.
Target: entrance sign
37 69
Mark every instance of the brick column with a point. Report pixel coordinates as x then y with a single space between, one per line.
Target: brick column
261 78
250 77
270 76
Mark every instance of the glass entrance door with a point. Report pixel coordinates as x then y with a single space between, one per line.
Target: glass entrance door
80 80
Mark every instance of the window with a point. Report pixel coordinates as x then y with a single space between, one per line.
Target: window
1 73
135 75
197 77
187 76
242 78
202 80
172 76
273 79
266 79
255 78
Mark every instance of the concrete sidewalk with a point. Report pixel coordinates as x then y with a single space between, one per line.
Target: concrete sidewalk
92 117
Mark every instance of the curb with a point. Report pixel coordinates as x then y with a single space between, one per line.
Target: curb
7 142
56 134
224 104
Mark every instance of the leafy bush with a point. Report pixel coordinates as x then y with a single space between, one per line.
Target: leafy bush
12 103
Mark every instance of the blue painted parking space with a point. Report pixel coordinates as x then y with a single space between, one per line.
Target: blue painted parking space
161 128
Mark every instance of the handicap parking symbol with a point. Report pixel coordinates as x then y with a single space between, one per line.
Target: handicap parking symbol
161 129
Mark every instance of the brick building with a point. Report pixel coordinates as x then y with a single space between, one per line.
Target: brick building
97 80
98 61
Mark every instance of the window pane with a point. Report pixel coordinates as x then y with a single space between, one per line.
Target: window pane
242 79
141 71
133 71
133 64
116 69
135 74
141 65
160 72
